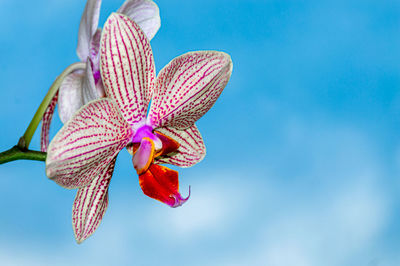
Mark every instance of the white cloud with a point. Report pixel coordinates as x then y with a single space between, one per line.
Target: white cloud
330 216
329 232
213 208
10 258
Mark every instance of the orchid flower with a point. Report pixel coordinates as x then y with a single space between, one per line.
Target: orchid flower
83 86
83 153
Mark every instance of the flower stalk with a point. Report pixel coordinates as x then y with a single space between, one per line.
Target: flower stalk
16 153
27 137
21 151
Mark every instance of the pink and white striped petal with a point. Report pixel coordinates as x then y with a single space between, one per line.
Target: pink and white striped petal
87 28
86 144
191 150
90 204
127 66
188 87
145 13
46 121
70 95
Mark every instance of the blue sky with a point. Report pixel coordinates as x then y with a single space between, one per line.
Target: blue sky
303 146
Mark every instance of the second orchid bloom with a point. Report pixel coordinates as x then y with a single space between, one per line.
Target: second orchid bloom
81 87
85 85
83 153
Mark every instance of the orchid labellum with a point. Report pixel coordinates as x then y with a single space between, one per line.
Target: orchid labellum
83 86
83 153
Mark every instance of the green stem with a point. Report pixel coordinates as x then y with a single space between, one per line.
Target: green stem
27 137
16 153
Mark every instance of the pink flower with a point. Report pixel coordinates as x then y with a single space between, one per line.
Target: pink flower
83 153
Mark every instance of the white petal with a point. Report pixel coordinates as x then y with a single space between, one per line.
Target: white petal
70 95
87 28
145 13
89 90
94 50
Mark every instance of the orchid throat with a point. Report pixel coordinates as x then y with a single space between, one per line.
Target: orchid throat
147 144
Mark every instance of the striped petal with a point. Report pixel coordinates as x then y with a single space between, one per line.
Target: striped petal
70 95
127 66
87 28
145 13
191 150
46 121
188 87
86 144
90 204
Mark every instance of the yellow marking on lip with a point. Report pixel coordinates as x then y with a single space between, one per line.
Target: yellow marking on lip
150 158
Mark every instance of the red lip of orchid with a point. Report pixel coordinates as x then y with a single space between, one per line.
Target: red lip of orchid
83 153
157 182
161 183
